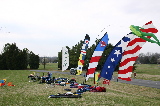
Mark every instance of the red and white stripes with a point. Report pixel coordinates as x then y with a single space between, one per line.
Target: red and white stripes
97 54
132 51
93 63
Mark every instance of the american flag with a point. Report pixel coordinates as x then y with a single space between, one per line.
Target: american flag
96 56
114 57
132 51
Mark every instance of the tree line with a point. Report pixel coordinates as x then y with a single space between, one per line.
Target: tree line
148 58
74 54
12 58
48 59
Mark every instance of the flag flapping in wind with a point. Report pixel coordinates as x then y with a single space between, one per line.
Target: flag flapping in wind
132 51
96 77
114 57
83 54
65 58
96 56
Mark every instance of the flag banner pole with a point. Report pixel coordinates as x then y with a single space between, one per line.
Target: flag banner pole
100 47
114 57
142 34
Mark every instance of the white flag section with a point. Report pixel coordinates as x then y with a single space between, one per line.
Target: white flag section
65 58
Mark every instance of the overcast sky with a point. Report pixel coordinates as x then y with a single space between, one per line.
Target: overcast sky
45 26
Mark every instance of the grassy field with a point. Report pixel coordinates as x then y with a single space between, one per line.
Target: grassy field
152 69
49 66
33 94
147 72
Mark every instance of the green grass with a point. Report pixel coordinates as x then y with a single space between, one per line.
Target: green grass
146 72
49 66
26 93
151 69
33 94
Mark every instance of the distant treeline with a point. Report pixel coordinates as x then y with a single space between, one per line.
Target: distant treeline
48 59
12 58
148 58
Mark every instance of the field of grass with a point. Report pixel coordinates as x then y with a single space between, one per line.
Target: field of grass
31 93
147 72
152 69
26 93
49 66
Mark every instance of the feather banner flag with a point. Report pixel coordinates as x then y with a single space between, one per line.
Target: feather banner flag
96 56
65 58
96 77
114 57
83 54
132 51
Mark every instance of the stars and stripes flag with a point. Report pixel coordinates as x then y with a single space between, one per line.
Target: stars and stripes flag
132 51
115 56
96 56
65 58
83 54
